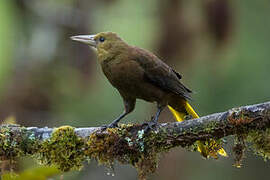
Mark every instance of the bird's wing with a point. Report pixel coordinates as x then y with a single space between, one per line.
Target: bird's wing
160 74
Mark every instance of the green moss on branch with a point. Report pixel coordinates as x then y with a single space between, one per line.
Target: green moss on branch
64 149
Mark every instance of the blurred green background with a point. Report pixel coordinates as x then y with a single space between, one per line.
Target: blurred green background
221 47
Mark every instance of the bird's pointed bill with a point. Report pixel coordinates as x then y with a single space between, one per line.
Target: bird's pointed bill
87 39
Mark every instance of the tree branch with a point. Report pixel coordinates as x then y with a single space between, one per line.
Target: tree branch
128 143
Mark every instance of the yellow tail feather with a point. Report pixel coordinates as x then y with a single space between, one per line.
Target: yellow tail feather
205 152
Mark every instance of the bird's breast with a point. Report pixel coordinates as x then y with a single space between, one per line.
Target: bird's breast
128 78
122 74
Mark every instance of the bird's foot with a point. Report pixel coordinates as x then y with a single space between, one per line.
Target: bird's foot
112 125
149 125
225 116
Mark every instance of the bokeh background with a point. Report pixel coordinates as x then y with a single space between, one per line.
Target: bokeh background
221 47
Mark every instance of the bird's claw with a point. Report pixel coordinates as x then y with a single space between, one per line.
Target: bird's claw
149 125
224 116
112 125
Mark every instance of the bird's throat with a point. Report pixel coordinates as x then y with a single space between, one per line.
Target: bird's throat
104 55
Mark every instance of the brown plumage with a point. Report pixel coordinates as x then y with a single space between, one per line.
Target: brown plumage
137 73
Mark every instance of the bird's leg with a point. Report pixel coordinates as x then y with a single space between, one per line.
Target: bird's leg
115 122
154 120
129 107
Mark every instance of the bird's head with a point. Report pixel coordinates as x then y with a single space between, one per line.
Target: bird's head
107 44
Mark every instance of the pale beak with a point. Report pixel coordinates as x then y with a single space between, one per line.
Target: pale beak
87 39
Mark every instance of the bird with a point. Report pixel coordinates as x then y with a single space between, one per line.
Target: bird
139 74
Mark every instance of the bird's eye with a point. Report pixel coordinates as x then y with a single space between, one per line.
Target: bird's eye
101 39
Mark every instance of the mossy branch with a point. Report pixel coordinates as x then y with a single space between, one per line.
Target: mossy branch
67 147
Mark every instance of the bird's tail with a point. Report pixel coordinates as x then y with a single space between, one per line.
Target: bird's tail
212 148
